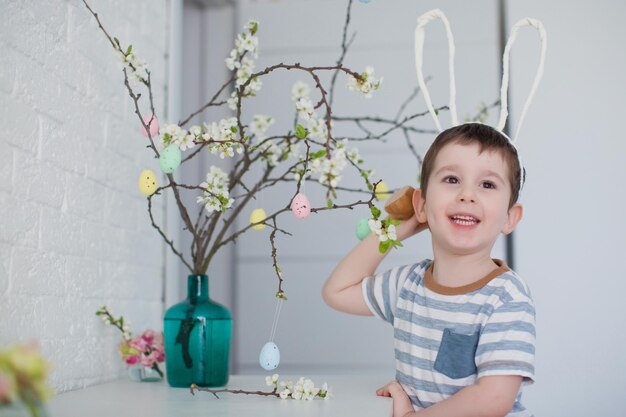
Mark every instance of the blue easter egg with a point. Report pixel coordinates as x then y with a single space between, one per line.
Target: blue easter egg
170 159
362 229
269 358
364 1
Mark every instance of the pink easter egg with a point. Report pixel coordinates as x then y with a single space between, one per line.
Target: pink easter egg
300 206
154 126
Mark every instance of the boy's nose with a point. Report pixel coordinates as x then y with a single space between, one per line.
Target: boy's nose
467 195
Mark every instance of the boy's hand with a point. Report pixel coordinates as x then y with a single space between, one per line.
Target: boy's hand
401 402
404 202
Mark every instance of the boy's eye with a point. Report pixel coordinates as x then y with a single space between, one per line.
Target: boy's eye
451 179
488 184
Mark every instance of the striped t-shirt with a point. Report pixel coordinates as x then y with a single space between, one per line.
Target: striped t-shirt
446 338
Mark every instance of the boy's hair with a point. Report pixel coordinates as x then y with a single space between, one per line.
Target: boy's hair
487 138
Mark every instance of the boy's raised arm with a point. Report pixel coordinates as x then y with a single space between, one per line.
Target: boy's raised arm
342 290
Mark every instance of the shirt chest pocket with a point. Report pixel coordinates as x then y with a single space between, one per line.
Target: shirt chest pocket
456 355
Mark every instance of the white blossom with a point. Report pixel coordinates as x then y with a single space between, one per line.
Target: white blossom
325 391
260 124
384 234
231 61
271 380
174 134
136 69
241 60
232 101
303 389
246 42
300 90
186 142
309 390
375 226
366 84
195 131
317 129
298 392
304 107
253 87
216 194
222 137
244 71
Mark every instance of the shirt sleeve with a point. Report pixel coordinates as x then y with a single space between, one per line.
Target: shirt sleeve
381 291
507 342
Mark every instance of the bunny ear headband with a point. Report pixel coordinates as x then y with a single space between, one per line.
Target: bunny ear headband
428 17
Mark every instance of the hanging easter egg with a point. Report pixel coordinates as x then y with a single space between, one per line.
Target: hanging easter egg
300 206
269 358
147 182
154 126
362 229
364 1
258 215
170 159
382 191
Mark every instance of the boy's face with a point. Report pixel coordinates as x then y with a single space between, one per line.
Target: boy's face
467 203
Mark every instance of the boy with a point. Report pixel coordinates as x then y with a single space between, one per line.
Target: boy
464 324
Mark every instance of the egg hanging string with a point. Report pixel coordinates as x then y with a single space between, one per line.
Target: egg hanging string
279 306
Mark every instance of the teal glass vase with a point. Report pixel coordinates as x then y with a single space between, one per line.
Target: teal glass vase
197 338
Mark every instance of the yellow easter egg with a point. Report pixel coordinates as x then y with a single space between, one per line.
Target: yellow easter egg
382 191
258 215
147 182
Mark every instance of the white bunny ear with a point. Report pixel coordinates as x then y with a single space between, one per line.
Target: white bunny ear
422 21
505 72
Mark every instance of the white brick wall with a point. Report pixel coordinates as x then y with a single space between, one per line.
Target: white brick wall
74 230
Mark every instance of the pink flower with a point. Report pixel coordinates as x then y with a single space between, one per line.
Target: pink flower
149 336
146 349
132 359
138 343
148 360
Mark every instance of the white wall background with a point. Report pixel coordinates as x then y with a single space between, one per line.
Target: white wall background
571 241
74 232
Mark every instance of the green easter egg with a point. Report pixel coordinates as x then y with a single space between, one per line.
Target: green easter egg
170 159
362 229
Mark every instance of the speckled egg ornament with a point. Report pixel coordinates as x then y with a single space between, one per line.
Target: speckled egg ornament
258 215
147 182
170 159
154 126
300 206
362 229
269 358
382 191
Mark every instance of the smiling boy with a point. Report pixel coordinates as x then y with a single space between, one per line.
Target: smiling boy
464 323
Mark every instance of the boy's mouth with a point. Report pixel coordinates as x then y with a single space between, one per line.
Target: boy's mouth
464 220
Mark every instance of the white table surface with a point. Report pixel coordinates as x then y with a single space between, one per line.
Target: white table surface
353 395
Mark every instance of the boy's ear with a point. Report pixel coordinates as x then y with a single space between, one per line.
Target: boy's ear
515 215
418 206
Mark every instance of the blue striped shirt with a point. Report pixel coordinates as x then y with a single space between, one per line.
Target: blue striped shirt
446 338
